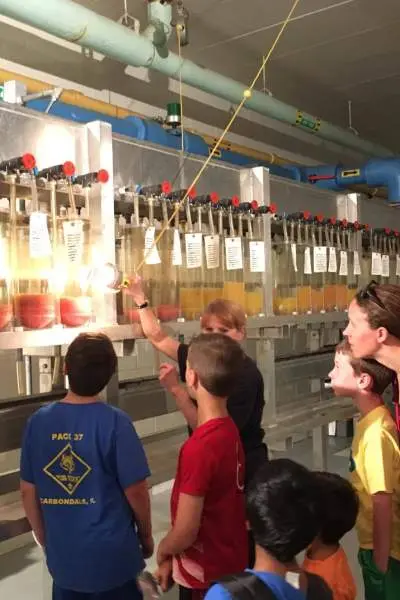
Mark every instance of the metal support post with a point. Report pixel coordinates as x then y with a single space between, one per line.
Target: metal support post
319 441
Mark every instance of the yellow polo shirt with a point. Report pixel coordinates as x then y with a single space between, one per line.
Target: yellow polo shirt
375 467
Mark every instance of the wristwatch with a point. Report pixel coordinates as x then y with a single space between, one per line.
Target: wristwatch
144 305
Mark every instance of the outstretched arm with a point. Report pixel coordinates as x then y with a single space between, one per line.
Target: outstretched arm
150 324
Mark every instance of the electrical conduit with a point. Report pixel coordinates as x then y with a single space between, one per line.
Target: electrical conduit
75 23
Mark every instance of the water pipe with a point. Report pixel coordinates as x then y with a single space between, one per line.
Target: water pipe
375 173
104 110
76 23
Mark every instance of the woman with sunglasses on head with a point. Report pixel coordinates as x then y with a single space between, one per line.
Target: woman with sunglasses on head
373 332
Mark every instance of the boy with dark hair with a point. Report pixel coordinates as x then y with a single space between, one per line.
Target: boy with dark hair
375 471
282 509
83 483
208 537
338 514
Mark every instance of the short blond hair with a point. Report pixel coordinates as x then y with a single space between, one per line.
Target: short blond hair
231 315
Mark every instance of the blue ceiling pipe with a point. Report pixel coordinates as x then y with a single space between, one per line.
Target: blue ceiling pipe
154 133
377 172
76 23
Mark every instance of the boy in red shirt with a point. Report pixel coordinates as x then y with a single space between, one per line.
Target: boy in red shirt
208 538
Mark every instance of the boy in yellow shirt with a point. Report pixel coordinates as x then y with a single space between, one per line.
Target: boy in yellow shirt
374 471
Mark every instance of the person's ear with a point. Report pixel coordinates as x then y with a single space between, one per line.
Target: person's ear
382 335
191 378
365 382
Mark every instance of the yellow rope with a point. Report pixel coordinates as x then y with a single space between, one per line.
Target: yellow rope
246 96
179 32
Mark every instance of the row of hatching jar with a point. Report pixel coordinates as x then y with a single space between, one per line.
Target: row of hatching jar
214 248
319 264
211 248
44 245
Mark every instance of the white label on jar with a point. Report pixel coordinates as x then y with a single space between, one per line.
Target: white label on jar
332 267
194 250
211 245
376 264
307 261
176 250
397 266
357 266
39 239
293 248
385 266
257 257
233 252
73 240
320 259
151 255
343 269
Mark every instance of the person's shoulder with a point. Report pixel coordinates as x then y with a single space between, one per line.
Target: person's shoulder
381 426
218 592
43 413
251 372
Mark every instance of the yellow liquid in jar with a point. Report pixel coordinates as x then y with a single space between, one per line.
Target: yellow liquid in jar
234 291
191 302
254 303
285 305
317 299
304 299
351 292
330 297
210 294
341 297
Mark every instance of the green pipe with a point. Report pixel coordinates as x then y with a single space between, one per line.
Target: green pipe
75 23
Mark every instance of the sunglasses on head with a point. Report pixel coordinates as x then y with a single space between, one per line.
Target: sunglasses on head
369 293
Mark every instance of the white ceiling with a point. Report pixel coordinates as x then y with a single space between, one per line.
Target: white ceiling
332 51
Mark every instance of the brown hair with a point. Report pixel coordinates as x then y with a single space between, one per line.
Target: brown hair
90 363
381 376
382 306
218 362
231 315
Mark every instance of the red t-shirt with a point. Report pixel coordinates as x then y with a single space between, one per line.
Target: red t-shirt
211 465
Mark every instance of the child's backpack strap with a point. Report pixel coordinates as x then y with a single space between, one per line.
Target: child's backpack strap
246 586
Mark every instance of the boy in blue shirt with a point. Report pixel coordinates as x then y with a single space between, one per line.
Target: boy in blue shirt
282 509
83 483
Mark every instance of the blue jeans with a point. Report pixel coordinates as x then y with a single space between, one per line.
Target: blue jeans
128 591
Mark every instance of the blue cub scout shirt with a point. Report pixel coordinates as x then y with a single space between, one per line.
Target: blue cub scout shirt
81 458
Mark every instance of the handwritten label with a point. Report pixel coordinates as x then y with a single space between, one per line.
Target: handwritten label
332 267
176 250
343 269
320 259
39 239
151 254
257 257
233 252
211 245
293 248
376 264
307 261
194 250
356 263
73 240
385 266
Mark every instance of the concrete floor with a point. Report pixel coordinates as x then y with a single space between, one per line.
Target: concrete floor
23 576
